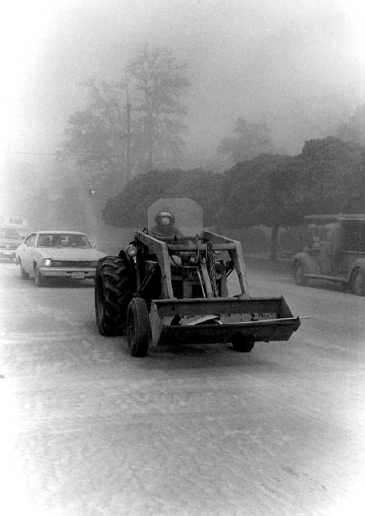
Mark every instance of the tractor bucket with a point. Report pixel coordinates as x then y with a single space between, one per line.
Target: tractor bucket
219 320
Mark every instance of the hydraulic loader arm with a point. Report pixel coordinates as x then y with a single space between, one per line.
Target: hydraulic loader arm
234 248
220 243
159 248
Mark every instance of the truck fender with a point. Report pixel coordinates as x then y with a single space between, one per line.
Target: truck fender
308 262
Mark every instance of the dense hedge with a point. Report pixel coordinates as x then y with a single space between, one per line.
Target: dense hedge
272 190
129 208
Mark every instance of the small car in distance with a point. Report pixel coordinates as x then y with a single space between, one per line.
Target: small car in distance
57 254
10 240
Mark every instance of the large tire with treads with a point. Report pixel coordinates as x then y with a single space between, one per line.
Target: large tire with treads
114 288
138 327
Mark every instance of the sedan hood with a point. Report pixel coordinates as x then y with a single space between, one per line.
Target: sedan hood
68 253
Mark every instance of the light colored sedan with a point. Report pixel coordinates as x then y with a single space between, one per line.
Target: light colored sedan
57 254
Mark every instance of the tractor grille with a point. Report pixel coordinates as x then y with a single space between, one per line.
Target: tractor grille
73 263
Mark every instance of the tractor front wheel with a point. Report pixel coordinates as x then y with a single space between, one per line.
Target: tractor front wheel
138 327
114 287
242 344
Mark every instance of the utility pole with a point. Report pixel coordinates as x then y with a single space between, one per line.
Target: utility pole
128 107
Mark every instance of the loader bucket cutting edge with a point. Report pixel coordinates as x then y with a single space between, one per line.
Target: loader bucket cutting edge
260 319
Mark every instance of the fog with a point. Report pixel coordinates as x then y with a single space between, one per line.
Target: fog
298 66
195 432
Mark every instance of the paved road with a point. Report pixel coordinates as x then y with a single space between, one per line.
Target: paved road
87 430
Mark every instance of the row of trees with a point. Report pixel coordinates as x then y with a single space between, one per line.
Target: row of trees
272 189
136 125
130 139
131 126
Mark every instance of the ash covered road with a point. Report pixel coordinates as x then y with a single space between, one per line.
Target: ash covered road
88 430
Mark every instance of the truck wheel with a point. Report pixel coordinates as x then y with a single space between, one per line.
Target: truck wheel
39 281
299 277
114 287
242 344
138 327
24 275
358 282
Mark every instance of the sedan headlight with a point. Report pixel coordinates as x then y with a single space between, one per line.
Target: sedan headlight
47 262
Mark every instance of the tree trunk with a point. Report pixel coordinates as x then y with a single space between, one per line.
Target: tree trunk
274 243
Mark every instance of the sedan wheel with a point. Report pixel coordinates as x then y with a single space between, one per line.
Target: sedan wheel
24 275
39 280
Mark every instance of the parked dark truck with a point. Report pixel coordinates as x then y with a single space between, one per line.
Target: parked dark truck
337 256
170 287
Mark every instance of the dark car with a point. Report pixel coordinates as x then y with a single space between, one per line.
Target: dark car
10 240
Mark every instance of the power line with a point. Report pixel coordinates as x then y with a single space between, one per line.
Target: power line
30 153
55 154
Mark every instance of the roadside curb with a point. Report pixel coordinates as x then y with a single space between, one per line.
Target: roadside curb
259 262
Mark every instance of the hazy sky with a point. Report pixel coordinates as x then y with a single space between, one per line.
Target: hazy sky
298 65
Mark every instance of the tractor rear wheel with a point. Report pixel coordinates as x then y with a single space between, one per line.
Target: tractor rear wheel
138 327
114 287
242 344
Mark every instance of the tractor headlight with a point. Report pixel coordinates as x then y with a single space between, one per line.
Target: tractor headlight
47 262
131 250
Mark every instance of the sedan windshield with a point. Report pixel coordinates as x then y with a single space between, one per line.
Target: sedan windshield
63 240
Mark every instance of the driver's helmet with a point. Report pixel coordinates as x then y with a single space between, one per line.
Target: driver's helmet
165 220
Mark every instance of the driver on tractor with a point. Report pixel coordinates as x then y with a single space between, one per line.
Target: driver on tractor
165 226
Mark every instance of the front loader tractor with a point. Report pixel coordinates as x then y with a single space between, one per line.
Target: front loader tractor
170 288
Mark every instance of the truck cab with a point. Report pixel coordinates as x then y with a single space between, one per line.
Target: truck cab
338 255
